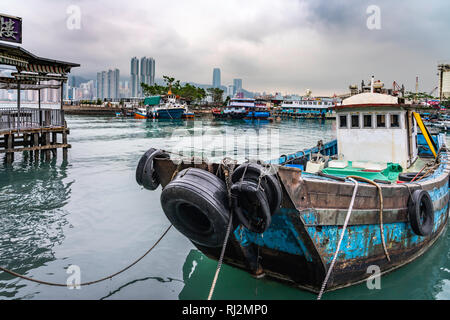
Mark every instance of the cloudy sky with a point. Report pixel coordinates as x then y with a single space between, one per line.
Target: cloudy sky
284 46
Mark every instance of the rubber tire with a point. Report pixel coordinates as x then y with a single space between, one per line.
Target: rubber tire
256 221
269 183
196 203
421 213
141 163
408 176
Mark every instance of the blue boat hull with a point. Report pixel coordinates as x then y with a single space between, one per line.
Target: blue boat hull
169 113
301 241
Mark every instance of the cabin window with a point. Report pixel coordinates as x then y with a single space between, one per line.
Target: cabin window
381 121
355 120
395 121
367 119
343 121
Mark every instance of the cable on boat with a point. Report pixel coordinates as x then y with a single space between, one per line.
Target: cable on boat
90 282
380 193
347 217
227 167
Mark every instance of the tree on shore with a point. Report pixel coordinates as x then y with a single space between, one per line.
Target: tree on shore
187 92
216 95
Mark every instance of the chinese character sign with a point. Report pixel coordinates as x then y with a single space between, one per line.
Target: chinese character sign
10 29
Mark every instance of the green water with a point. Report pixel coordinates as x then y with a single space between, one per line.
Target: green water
90 212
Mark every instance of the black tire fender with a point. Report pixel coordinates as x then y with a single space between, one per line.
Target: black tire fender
408 176
196 203
269 183
421 213
251 206
146 175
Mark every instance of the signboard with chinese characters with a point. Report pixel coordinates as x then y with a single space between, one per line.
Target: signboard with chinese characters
10 28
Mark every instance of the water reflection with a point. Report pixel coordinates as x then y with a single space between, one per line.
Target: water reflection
32 218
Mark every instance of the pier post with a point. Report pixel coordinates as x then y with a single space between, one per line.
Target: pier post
64 141
9 139
35 144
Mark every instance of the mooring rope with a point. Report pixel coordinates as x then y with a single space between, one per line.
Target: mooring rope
90 282
347 217
228 171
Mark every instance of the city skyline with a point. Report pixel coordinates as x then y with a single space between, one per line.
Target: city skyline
283 46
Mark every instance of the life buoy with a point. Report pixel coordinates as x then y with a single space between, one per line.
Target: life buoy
421 213
196 203
251 206
146 175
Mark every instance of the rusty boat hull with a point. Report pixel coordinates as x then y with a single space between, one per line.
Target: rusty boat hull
301 241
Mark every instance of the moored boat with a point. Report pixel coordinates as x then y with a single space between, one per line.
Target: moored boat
170 108
378 195
140 113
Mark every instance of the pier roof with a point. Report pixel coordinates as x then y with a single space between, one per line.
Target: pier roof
27 61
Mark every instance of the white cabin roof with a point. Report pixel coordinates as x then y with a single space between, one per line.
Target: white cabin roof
370 98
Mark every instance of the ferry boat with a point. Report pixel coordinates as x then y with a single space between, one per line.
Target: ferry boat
318 219
258 111
307 107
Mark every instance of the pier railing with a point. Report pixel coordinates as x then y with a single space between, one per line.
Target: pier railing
30 118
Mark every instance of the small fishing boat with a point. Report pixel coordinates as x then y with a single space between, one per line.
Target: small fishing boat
321 218
140 113
187 114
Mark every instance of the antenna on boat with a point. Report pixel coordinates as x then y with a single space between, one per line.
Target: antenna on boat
371 84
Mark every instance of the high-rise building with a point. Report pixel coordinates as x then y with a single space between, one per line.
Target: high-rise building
135 84
230 91
216 78
107 84
147 72
237 86
444 81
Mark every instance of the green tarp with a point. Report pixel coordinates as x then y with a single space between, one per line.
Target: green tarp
389 174
152 101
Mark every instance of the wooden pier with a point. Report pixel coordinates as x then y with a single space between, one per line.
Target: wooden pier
36 133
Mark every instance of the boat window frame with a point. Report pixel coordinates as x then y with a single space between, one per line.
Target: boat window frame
385 120
398 120
357 114
372 123
340 122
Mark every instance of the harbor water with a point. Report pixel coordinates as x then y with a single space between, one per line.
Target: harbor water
90 213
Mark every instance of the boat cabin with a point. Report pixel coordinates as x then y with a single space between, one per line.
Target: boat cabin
376 127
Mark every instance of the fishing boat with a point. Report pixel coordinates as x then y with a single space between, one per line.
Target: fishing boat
170 108
140 113
318 219
187 114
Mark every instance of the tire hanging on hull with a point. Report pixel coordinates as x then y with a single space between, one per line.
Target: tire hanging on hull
196 203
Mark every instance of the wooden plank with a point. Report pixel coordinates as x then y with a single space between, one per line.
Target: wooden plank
43 147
